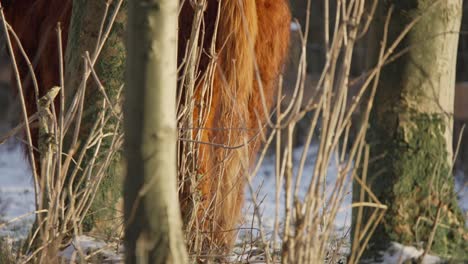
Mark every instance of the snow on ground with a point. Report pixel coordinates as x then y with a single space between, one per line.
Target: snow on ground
264 186
17 199
16 191
101 251
398 253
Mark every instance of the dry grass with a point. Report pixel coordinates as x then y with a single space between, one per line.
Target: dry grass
65 185
308 225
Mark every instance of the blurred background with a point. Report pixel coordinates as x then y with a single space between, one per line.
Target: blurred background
363 60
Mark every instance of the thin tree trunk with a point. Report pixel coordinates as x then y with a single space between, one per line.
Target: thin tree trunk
152 214
410 133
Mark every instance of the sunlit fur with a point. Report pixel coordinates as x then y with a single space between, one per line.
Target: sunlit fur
252 41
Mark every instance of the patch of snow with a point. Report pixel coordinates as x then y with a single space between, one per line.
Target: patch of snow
264 185
246 254
16 191
295 26
398 253
92 248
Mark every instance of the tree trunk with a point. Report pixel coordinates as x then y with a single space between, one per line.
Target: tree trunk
152 214
410 133
110 65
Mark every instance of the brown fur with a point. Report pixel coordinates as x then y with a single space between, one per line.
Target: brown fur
35 24
252 35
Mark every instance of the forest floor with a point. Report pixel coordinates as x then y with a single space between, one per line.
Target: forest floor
17 201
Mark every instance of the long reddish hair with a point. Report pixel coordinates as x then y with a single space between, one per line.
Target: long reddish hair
251 46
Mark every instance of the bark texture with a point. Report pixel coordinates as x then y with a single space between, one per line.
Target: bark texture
410 133
110 65
152 214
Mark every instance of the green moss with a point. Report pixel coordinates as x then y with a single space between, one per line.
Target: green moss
110 68
416 182
410 170
103 208
423 183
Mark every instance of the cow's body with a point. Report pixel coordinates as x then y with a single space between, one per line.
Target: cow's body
252 41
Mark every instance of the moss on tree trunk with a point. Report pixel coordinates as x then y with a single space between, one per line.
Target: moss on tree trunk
410 133
110 67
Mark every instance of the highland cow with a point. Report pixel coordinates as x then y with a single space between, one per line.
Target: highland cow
252 40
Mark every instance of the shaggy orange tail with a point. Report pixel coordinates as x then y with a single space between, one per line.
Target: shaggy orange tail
251 41
230 122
